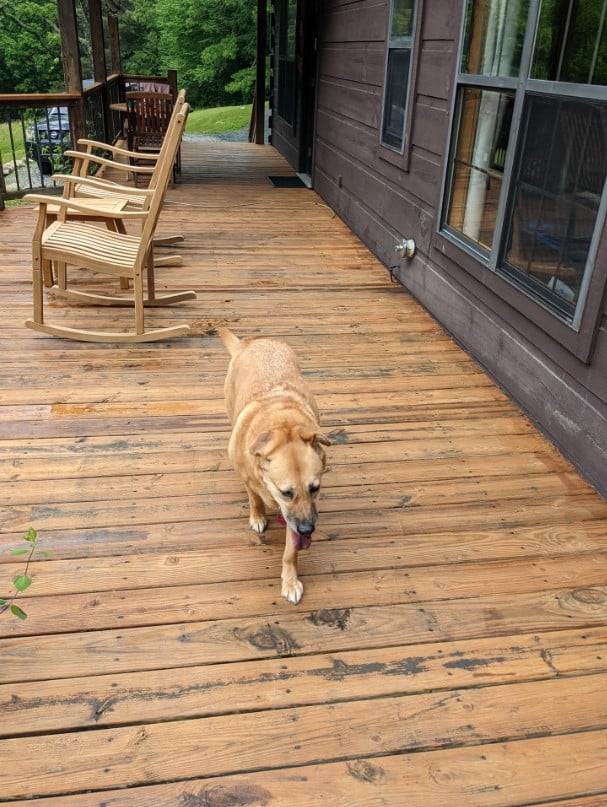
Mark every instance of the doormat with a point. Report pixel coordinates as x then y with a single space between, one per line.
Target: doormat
287 182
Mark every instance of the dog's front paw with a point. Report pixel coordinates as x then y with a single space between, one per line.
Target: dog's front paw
258 524
292 590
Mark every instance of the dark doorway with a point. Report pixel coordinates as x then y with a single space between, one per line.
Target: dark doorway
308 27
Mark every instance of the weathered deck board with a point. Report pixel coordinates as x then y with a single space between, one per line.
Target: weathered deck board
451 646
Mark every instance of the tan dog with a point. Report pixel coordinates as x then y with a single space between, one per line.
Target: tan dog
276 442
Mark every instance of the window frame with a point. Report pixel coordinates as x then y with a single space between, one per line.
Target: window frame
579 336
401 156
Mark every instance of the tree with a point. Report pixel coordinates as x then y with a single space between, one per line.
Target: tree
30 46
211 44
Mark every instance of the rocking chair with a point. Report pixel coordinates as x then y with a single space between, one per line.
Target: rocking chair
111 252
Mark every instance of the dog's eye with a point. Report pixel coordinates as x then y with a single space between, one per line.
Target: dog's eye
287 494
314 489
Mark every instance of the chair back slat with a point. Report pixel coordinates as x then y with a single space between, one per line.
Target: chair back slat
148 117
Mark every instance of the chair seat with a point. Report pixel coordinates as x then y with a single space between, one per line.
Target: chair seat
135 201
76 241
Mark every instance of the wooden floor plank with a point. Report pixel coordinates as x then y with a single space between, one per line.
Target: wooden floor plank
503 775
120 699
450 646
286 632
301 735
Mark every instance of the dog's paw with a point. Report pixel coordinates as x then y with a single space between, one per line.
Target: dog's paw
292 590
258 524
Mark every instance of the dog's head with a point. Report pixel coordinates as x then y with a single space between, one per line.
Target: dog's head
291 464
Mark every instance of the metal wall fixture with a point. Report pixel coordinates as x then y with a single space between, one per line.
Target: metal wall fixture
406 248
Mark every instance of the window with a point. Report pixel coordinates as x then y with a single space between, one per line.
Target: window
398 71
528 162
286 60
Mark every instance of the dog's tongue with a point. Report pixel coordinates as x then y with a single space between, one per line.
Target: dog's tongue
299 541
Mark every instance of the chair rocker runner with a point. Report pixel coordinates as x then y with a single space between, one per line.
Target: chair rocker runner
108 251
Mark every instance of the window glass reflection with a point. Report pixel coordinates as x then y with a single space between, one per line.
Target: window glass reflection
493 37
563 165
484 130
571 42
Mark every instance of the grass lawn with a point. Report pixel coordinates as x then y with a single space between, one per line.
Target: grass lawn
6 151
219 119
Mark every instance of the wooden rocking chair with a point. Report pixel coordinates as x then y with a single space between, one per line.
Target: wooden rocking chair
96 187
87 246
148 118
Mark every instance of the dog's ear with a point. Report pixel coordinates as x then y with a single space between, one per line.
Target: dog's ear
264 445
316 438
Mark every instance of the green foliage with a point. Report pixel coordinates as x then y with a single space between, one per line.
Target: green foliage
21 582
30 46
211 44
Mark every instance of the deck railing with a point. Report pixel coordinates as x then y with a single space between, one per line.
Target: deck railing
36 129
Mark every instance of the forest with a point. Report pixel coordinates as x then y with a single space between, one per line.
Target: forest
211 44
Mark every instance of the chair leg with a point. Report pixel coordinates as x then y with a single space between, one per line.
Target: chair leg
61 271
37 278
47 273
151 280
139 306
117 226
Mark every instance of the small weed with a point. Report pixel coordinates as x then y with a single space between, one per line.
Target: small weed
21 582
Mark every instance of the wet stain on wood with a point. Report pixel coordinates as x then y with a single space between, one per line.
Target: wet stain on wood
268 638
365 771
238 795
333 618
472 664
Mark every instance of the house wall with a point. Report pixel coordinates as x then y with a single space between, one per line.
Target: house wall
384 197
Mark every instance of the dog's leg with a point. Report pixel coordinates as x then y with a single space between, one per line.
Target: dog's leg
257 512
292 587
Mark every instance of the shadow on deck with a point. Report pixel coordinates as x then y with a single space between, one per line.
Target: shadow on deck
450 648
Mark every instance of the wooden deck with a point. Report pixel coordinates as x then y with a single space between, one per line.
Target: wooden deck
451 646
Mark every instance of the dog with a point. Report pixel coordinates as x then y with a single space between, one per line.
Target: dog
276 445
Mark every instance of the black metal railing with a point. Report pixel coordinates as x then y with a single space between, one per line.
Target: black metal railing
36 129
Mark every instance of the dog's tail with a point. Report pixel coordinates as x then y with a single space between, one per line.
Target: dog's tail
229 339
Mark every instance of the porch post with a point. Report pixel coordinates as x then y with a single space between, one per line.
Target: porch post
114 35
72 74
97 41
259 103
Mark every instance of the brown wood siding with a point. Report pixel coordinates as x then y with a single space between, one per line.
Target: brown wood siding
383 200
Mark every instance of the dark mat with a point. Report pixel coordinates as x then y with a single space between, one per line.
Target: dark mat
287 182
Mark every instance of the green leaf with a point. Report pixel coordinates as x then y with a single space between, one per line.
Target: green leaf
22 582
31 535
2 602
18 612
23 551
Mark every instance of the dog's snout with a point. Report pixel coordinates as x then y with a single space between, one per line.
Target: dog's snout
305 527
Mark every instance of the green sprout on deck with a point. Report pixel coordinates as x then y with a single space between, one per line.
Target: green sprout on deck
23 581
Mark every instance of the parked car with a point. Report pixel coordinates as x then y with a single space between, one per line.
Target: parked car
48 138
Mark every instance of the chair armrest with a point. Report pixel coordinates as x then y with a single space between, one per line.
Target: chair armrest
82 156
113 149
93 182
73 204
